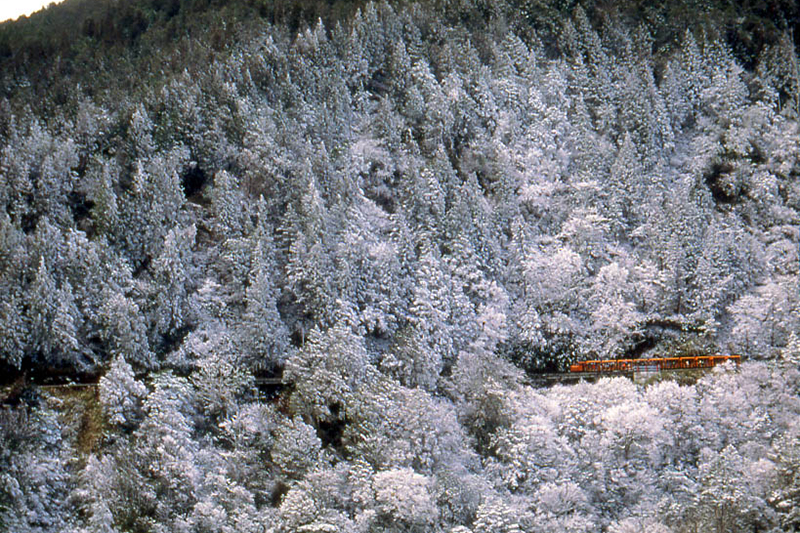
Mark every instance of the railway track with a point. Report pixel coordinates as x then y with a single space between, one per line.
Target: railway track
572 377
9 392
12 393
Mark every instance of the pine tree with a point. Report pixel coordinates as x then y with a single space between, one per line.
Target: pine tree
693 79
296 449
309 269
43 308
123 329
763 319
141 133
779 69
164 451
676 244
171 273
66 322
227 203
428 202
26 147
723 495
726 93
151 207
56 179
265 333
34 478
625 178
675 97
431 305
14 322
785 453
614 318
308 274
412 361
15 328
105 211
121 394
328 372
367 267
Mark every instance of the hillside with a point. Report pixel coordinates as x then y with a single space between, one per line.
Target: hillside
402 209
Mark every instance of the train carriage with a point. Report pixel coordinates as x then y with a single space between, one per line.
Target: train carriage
662 363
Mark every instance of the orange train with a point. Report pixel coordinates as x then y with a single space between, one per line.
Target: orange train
643 365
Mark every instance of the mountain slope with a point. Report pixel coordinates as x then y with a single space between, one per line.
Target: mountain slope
400 209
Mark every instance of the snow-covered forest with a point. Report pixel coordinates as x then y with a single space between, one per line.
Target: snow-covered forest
403 211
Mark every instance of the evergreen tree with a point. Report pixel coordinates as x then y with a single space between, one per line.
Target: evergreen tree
328 372
43 308
779 69
675 97
692 68
309 269
150 208
105 211
34 478
55 180
121 395
123 329
265 334
431 306
227 202
625 178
